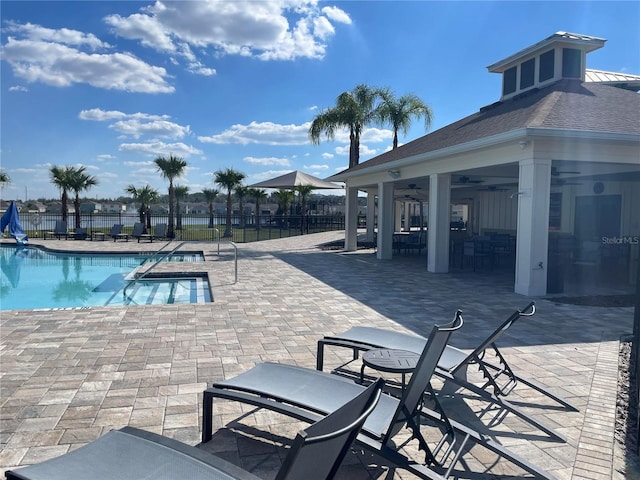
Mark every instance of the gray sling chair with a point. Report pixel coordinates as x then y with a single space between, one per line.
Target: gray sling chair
306 394
133 454
500 380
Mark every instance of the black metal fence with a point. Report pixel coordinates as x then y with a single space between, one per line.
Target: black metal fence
634 367
249 228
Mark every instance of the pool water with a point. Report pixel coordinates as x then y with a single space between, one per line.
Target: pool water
34 279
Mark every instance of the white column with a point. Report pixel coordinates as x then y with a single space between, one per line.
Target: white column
371 214
398 216
439 223
534 187
351 220
385 221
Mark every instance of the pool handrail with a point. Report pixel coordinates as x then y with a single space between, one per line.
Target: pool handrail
171 252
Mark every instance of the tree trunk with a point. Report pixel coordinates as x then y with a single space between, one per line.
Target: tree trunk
210 214
227 230
76 205
64 207
171 230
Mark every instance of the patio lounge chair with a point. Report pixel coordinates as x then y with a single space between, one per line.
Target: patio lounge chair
500 380
116 233
60 230
138 232
307 395
159 231
130 453
78 234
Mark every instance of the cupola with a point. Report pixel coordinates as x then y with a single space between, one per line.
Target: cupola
560 56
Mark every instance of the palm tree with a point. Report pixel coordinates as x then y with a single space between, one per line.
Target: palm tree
259 196
353 110
229 179
210 194
303 191
60 178
171 168
180 191
146 196
79 181
242 191
4 178
284 199
399 112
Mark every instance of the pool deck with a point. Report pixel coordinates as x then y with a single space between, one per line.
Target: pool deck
68 376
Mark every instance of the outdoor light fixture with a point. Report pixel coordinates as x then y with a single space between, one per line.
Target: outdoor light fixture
523 193
523 144
394 173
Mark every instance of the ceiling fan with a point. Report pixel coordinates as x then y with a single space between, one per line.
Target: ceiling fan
560 182
555 172
464 180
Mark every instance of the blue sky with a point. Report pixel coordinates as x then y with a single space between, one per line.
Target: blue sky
113 85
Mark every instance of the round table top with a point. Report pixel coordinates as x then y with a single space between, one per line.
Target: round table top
390 360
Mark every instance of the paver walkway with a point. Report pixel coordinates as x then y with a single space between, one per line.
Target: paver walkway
68 376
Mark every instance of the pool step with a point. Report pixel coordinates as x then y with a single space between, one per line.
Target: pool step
164 291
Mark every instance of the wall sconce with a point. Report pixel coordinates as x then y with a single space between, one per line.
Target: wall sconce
522 193
523 144
394 173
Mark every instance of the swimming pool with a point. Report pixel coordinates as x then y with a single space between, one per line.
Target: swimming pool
34 279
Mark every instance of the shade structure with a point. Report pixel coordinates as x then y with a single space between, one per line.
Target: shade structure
296 179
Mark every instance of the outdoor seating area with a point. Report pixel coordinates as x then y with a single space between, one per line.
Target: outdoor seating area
258 351
410 242
117 232
129 453
159 232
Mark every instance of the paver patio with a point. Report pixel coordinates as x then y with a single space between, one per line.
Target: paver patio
68 376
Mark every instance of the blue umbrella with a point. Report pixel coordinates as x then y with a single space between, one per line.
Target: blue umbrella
12 219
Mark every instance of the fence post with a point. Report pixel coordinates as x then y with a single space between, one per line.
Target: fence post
634 368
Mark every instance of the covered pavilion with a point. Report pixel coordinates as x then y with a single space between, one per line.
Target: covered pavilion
554 164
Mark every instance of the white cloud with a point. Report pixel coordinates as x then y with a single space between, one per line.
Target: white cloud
364 150
63 36
370 135
322 28
18 88
265 133
160 148
275 30
155 128
376 135
337 15
342 150
59 65
99 115
328 155
316 167
283 162
138 124
138 164
199 69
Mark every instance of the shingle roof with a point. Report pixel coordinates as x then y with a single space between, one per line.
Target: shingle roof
567 104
